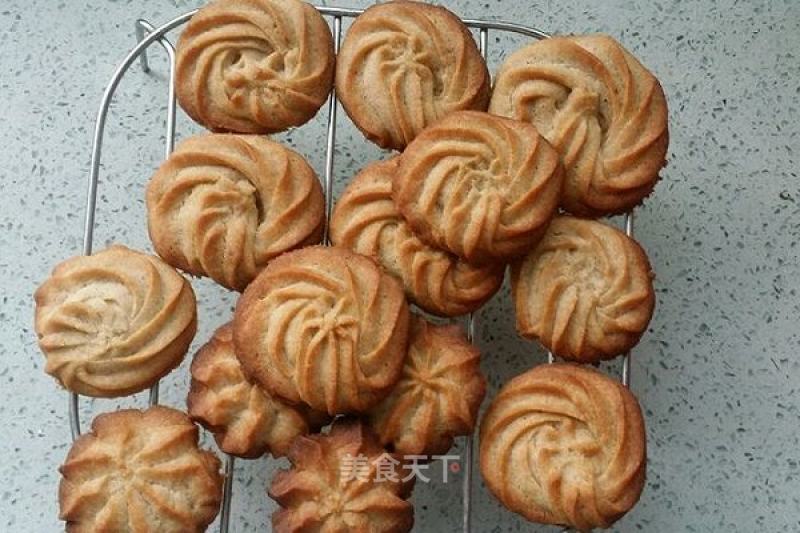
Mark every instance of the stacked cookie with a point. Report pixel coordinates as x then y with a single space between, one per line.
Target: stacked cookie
574 127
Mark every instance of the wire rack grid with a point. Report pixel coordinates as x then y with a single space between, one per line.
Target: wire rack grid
147 35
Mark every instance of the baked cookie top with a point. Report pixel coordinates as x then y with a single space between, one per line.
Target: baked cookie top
564 444
438 395
480 186
140 471
367 221
342 481
246 420
603 111
114 323
585 292
254 66
224 205
323 326
404 65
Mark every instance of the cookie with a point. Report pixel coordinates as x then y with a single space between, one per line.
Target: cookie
325 327
140 471
438 395
254 66
601 109
224 205
367 221
564 444
403 65
480 186
342 481
245 420
113 323
585 292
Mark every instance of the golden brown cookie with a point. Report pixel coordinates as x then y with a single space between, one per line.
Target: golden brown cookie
140 471
367 221
224 205
114 323
564 444
438 395
603 111
480 186
245 420
254 66
323 326
403 65
342 481
585 292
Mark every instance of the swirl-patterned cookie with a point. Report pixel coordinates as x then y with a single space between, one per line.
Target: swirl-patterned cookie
140 471
224 205
404 65
245 420
343 481
564 444
254 66
481 186
438 395
601 109
585 292
367 221
323 326
113 323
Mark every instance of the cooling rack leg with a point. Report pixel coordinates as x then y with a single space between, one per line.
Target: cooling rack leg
91 195
330 145
626 363
227 494
142 28
153 397
100 124
140 31
469 440
466 487
74 416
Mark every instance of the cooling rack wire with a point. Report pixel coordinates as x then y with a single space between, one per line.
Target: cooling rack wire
147 35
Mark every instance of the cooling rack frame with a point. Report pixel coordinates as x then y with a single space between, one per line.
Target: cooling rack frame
146 35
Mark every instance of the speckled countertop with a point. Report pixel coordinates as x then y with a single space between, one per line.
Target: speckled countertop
716 374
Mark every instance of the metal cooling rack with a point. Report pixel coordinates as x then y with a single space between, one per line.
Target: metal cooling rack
147 35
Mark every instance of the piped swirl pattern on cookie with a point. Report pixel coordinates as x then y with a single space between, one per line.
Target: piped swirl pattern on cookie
563 444
438 395
323 326
481 186
140 471
404 65
246 421
585 292
113 323
367 221
342 481
224 205
254 66
604 112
